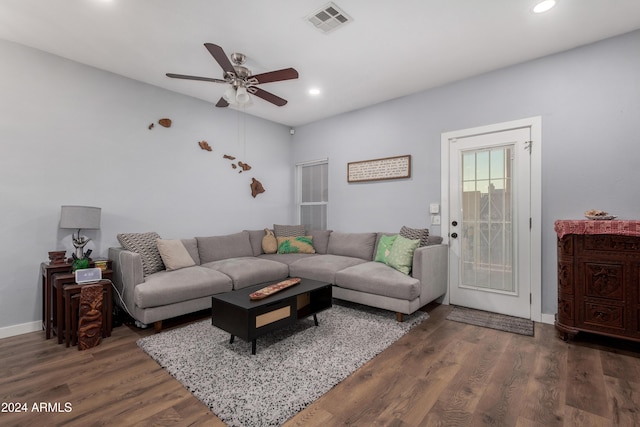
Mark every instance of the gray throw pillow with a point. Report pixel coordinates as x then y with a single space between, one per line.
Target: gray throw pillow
288 230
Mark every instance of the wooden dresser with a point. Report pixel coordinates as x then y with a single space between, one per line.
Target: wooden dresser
598 278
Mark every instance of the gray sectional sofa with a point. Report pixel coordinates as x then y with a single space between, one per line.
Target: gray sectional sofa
235 261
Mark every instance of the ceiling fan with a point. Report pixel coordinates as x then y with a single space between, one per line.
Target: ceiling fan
241 82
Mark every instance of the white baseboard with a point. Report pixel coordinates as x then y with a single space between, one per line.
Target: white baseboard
548 318
23 328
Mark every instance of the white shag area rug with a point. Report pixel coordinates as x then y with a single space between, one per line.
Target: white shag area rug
292 367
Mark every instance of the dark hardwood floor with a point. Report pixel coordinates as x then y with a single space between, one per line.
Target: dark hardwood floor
442 373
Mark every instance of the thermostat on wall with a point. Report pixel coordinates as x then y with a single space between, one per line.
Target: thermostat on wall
86 275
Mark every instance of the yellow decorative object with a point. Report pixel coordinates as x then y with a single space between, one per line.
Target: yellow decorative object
269 242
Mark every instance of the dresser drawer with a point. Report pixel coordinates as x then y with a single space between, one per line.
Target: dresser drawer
604 315
603 280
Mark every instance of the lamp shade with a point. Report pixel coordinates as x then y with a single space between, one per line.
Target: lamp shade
229 94
241 95
86 217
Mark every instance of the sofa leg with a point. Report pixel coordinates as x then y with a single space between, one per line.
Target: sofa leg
157 326
399 317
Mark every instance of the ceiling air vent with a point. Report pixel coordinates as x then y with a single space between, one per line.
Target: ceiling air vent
329 18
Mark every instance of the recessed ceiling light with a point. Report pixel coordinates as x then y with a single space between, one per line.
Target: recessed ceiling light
314 91
543 6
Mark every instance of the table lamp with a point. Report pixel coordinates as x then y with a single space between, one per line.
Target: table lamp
79 217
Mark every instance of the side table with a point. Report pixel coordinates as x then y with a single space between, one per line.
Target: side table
59 282
48 270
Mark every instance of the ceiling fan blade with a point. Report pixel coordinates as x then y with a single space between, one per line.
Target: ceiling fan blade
267 96
218 54
274 76
222 103
205 79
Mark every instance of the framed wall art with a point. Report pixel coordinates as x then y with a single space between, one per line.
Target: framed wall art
397 167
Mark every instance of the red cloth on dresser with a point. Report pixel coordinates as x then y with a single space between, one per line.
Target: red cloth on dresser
581 226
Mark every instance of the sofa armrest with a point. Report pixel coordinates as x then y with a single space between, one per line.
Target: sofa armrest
431 268
127 274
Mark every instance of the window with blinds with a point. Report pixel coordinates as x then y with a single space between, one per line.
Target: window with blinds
313 194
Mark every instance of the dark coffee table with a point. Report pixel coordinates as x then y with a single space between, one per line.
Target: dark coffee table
237 314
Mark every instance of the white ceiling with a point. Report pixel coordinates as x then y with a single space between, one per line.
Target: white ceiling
389 50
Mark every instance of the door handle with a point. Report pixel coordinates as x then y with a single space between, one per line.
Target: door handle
454 235
454 223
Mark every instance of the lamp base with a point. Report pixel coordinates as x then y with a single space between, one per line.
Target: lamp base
80 242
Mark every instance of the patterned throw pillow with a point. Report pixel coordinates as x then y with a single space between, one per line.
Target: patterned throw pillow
401 256
288 230
145 245
421 234
296 245
269 242
384 248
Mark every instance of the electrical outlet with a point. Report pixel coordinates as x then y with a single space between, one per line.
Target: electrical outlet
435 219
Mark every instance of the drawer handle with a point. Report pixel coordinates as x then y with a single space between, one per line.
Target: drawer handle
600 315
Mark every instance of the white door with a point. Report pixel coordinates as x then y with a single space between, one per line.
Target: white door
489 221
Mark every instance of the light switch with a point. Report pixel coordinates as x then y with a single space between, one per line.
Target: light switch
435 219
434 208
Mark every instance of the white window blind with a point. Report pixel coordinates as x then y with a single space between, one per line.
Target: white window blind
313 194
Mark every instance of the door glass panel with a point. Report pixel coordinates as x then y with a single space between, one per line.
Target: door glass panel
486 250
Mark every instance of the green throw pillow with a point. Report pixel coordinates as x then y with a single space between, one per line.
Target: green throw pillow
401 256
294 245
384 248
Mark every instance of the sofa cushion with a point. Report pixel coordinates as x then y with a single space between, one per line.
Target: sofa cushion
379 279
358 245
248 271
215 248
192 247
384 248
322 267
421 234
168 287
320 240
293 245
255 238
174 254
145 245
285 258
288 230
401 256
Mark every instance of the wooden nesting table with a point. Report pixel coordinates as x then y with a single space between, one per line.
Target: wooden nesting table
65 293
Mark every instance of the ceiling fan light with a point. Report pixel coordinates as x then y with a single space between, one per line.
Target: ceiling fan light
229 94
241 95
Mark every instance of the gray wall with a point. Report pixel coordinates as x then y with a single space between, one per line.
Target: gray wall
589 101
71 134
